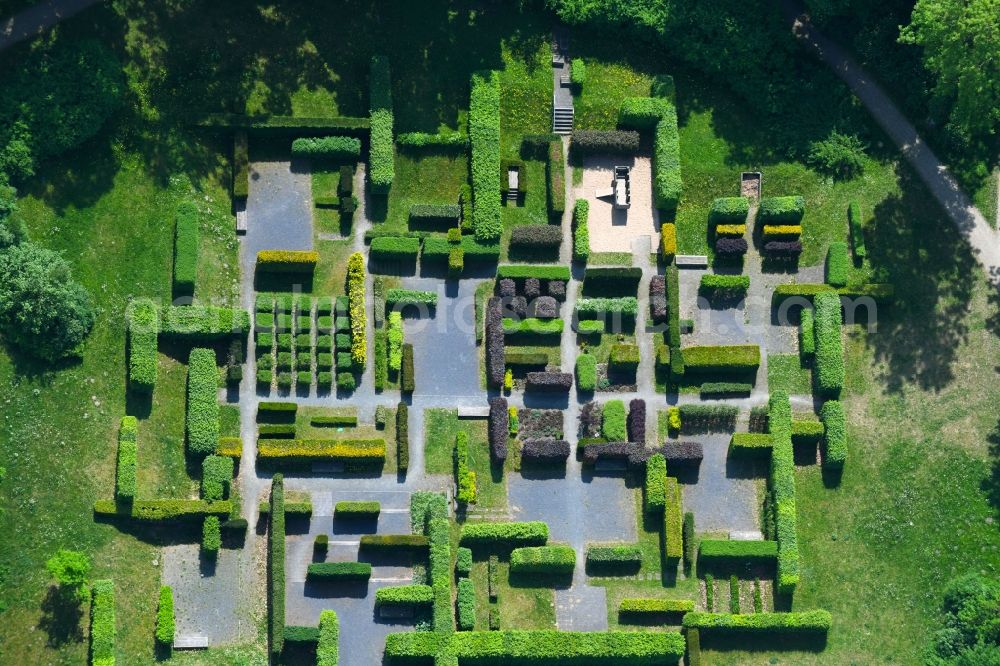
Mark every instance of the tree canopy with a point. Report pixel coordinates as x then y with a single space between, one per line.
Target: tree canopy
971 633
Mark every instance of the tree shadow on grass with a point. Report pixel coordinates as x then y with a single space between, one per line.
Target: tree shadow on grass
62 615
934 273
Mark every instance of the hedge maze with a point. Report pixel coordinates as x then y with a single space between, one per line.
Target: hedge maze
308 410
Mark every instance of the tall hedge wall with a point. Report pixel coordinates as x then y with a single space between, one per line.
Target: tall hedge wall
142 320
276 564
667 183
484 136
829 348
783 487
102 623
202 402
381 162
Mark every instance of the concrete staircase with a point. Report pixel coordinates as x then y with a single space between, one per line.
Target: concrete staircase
562 120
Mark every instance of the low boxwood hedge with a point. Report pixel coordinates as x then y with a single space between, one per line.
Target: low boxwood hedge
781 210
655 495
624 357
165 624
736 553
333 571
356 509
484 138
612 280
613 560
835 442
404 595
466 604
715 286
673 534
729 210
103 630
553 560
722 358
581 232
504 534
202 420
586 372
334 147
783 624
397 542
597 142
395 248
613 421
328 647
645 606
829 348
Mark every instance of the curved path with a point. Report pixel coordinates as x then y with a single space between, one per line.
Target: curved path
970 222
36 19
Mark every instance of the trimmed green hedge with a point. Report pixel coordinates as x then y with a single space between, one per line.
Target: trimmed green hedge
202 418
216 475
211 536
276 564
612 280
722 358
781 210
750 444
720 551
586 372
592 308
484 137
667 184
163 509
394 542
729 210
439 533
556 560
334 421
465 478
203 323
613 560
407 373
381 159
404 595
642 113
185 248
525 271
838 264
782 484
395 248
806 431
356 509
165 624
829 348
332 571
328 648
357 308
807 622
807 334
338 147
142 320
504 534
543 648
533 327
624 357
400 298
463 562
125 477
656 484
714 285
709 389
642 606
613 421
103 629
581 232
402 437
303 636
368 451
673 528
556 171
835 423
466 604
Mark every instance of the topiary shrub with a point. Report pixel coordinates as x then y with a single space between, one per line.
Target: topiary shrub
586 372
829 348
331 147
466 604
835 441
581 232
381 158
165 617
613 423
838 264
550 560
594 142
484 137
185 248
202 420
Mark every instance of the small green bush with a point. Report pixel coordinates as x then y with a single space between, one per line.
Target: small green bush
165 617
553 560
835 422
624 357
466 603
586 372
838 264
656 484
211 536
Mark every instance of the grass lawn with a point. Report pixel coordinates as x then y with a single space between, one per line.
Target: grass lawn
785 373
421 178
441 426
520 607
985 198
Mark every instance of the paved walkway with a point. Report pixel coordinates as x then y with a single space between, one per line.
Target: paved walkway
35 20
957 205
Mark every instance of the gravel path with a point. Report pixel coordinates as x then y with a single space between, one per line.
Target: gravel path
35 20
957 205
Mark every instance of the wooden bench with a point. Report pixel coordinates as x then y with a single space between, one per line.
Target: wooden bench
691 261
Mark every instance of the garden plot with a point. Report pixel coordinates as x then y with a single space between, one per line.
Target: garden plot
279 210
614 230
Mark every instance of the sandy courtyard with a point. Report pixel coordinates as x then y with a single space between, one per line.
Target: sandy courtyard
611 230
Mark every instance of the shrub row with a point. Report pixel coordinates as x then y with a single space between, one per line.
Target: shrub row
484 137
504 534
667 183
782 484
163 509
631 452
829 349
658 299
211 536
552 560
407 374
499 427
334 421
276 564
612 280
404 595
445 139
445 214
613 560
835 423
781 231
636 424
807 335
356 509
781 210
668 241
394 542
857 230
276 412
466 604
838 264
356 304
439 533
334 147
599 142
581 232
185 248
304 636
495 345
682 453
125 477
673 534
381 162
729 210
328 647
402 249
624 357
716 286
371 451
736 553
807 431
545 451
783 249
613 421
142 322
521 272
333 571
593 308
548 381
806 622
216 475
732 230
556 170
402 437
725 389
730 248
533 327
567 648
165 623
103 630
400 298
722 358
708 418
463 562
641 606
203 323
536 237
202 418
465 478
656 484
642 113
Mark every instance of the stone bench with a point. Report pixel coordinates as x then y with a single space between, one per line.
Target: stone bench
691 261
190 642
474 412
751 535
